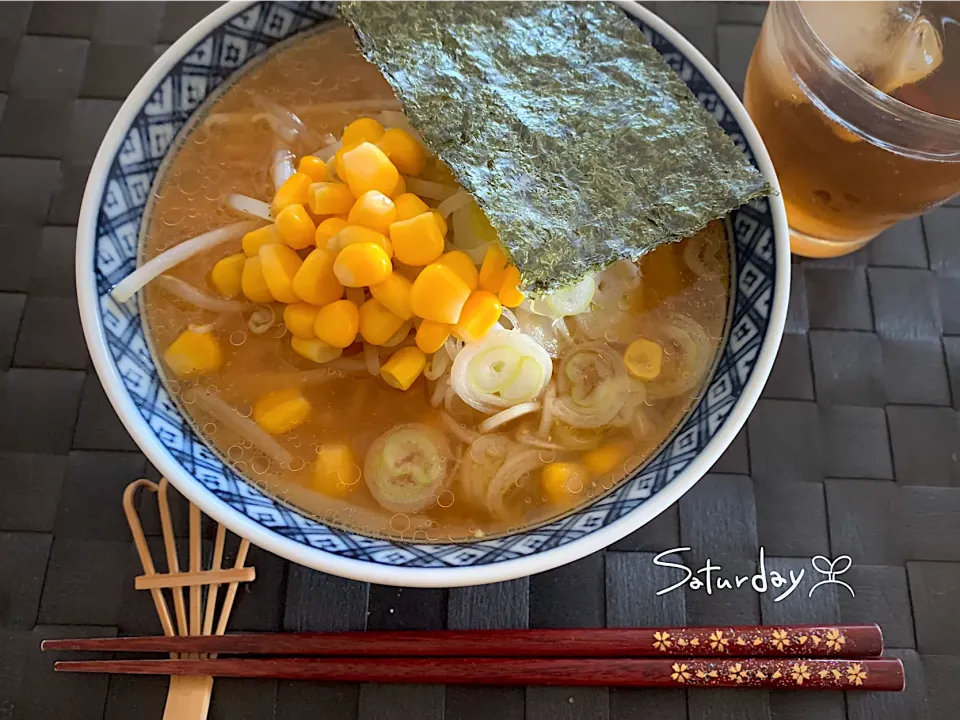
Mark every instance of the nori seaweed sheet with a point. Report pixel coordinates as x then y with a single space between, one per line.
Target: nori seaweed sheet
572 133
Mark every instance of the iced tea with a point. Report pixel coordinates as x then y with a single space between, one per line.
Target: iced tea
861 141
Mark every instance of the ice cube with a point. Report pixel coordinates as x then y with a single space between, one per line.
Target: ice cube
862 34
919 53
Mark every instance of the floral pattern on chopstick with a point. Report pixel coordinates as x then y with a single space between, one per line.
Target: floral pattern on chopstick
763 641
828 674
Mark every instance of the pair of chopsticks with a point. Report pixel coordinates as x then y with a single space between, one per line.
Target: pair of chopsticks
819 657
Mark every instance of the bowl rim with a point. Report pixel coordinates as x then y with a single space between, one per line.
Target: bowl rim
362 570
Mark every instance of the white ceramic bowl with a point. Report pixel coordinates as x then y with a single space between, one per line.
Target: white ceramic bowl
211 54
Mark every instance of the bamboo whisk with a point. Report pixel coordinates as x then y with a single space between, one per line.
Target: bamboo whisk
188 697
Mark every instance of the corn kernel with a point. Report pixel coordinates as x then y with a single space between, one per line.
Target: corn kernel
227 275
329 198
315 350
295 227
417 241
644 359
362 264
361 130
462 265
403 367
562 482
409 205
314 167
267 235
377 324
338 164
328 229
366 168
338 323
441 223
605 458
493 271
432 335
480 313
336 471
193 353
400 189
403 150
300 318
293 191
280 265
315 281
373 210
281 411
253 283
352 234
510 295
394 294
438 294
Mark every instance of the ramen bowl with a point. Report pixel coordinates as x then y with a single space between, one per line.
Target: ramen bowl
145 133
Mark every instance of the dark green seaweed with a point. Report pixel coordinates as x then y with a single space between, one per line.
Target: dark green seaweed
573 134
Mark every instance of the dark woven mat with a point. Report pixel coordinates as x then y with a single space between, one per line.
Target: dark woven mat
852 450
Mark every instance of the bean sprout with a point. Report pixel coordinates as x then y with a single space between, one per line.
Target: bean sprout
456 201
439 391
453 346
525 437
372 358
284 123
505 416
438 366
508 315
155 267
508 475
247 429
465 435
560 325
328 151
428 189
282 167
197 297
546 417
249 206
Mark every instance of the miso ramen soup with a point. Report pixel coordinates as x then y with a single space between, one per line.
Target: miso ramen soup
355 341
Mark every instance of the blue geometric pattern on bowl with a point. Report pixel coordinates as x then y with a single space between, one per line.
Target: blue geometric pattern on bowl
132 172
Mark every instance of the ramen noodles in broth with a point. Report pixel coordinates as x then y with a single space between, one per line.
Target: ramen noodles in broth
403 387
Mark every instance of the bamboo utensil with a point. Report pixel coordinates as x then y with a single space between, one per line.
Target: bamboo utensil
820 657
188 697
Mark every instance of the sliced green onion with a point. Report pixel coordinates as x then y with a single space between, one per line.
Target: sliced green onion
484 373
495 369
527 382
572 300
406 468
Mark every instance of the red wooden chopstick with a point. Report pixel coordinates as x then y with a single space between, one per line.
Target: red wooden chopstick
812 641
769 673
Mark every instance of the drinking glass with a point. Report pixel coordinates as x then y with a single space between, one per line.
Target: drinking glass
858 104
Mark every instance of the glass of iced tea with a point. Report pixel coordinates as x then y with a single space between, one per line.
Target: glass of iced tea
859 106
